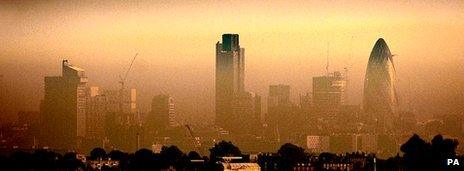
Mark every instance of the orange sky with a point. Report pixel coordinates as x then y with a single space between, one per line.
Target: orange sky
285 42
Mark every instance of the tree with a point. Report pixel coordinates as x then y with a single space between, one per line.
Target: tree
417 154
45 160
193 155
117 155
173 157
224 149
144 159
70 161
97 154
121 157
443 149
290 155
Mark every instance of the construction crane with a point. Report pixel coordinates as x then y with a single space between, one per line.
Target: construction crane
124 117
122 81
196 141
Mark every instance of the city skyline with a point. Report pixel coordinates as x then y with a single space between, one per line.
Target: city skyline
299 61
208 85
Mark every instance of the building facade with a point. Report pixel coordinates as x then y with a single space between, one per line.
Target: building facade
329 93
162 115
122 105
97 107
230 73
281 113
380 98
64 108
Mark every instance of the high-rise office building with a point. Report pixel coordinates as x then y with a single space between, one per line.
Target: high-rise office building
63 110
125 101
280 112
306 101
329 92
279 95
97 107
230 68
380 98
247 113
122 105
162 115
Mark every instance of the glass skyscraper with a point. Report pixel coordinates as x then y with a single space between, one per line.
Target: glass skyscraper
380 97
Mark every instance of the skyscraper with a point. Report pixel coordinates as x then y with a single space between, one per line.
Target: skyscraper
329 92
230 68
162 114
280 112
96 110
122 104
279 95
63 109
246 112
380 98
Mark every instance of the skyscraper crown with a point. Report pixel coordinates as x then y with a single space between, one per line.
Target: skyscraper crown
380 53
230 42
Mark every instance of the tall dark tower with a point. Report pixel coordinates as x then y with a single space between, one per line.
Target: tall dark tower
63 110
380 98
230 68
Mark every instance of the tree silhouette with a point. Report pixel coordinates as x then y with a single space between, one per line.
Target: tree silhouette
224 149
193 155
121 157
144 159
172 156
45 160
97 154
290 154
21 160
420 155
117 155
442 149
70 162
417 154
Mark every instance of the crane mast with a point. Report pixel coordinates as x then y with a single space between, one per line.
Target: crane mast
122 81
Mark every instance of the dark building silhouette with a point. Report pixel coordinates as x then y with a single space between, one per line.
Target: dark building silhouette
247 112
63 109
162 115
283 117
230 68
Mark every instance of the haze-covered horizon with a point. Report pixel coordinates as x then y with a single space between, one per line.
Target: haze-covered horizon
285 43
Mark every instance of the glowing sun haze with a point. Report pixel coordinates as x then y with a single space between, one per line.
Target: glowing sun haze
285 42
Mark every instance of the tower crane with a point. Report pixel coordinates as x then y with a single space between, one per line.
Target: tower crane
122 80
124 117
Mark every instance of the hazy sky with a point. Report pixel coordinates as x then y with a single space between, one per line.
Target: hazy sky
285 41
